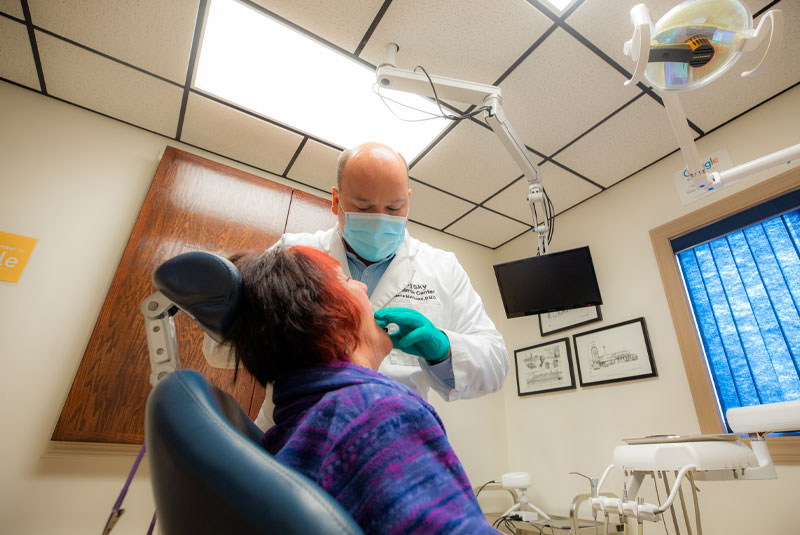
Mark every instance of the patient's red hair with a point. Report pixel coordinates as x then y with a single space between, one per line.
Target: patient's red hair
341 306
296 312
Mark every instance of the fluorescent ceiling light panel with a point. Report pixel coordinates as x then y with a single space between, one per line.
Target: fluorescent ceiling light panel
559 5
253 61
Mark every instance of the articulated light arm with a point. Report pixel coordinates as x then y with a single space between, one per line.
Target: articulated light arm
390 77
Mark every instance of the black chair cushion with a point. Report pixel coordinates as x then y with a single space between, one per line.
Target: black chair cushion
206 286
210 475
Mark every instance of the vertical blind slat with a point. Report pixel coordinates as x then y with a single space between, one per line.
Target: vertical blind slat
746 298
727 391
723 316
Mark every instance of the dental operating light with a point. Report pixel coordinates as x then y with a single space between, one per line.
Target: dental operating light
489 97
695 43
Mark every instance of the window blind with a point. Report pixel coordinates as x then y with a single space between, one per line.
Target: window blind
744 289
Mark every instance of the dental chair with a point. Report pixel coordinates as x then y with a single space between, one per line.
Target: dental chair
208 472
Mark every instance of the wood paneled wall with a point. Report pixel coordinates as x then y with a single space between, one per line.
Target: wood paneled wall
192 204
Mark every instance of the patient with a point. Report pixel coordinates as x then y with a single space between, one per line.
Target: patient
375 445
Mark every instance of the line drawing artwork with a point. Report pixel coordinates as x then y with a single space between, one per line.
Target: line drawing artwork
604 359
613 353
553 322
544 367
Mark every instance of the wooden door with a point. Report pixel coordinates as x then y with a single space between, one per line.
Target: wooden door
192 204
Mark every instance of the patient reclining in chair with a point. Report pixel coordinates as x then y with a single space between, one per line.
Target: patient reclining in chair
375 445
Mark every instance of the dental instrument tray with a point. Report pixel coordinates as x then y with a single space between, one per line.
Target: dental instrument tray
661 439
704 452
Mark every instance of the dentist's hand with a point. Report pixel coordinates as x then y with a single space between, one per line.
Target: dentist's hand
415 334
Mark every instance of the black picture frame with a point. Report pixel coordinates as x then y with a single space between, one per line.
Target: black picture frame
614 353
555 322
545 367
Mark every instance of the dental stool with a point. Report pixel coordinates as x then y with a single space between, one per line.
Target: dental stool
208 472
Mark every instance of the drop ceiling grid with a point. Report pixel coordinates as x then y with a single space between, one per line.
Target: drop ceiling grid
648 145
340 23
92 81
729 96
12 7
16 61
472 174
315 166
562 89
630 140
464 39
134 32
434 208
224 130
487 228
564 189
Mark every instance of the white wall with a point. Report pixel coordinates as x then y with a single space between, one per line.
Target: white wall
553 434
76 181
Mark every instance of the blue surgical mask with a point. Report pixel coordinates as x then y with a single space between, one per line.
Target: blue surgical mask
374 236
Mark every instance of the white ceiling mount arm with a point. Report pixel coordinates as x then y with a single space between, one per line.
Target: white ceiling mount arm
775 16
473 93
500 126
754 166
638 48
390 77
680 126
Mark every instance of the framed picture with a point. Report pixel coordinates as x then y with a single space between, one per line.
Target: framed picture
619 352
544 368
553 322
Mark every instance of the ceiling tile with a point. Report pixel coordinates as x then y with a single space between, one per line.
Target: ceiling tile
470 162
16 59
608 24
565 190
487 228
473 40
341 23
560 91
87 79
633 138
12 7
316 166
731 94
434 208
224 130
137 32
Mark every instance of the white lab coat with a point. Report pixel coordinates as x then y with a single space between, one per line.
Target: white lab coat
431 281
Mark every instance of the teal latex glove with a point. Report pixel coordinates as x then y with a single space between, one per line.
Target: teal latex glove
415 334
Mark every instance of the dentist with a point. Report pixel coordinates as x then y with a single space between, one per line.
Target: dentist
443 338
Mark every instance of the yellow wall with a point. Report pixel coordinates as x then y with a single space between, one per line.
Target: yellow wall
551 435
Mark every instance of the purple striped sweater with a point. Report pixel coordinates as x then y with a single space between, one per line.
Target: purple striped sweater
377 447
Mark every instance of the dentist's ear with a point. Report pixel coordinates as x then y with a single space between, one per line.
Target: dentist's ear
335 201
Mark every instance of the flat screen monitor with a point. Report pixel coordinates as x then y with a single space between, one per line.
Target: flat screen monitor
548 283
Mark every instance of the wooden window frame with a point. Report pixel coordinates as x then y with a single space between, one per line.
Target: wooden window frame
784 450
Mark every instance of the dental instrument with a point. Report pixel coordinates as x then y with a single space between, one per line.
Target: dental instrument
714 457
